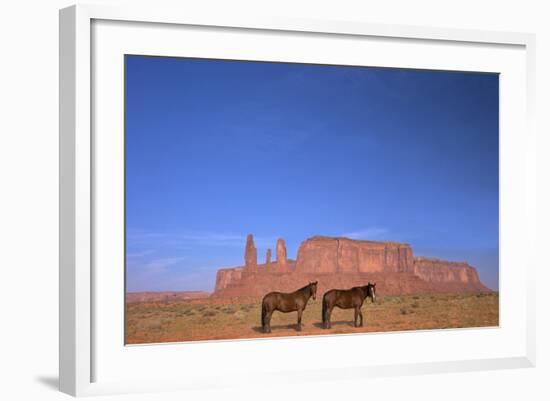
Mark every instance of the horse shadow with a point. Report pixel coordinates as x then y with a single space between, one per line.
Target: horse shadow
319 325
259 329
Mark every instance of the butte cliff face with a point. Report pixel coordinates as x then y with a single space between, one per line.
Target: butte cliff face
460 274
338 262
327 255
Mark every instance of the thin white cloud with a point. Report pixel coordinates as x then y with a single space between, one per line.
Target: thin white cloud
370 233
212 238
163 263
140 254
193 238
153 267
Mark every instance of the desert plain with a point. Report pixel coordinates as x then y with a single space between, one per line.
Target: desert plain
238 318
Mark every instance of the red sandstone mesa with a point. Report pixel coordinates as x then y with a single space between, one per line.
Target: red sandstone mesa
343 255
338 262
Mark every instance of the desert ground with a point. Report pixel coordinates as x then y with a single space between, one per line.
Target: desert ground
216 319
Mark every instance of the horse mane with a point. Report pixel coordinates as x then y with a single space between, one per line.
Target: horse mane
304 287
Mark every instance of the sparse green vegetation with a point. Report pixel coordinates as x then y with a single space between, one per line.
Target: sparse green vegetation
228 309
240 318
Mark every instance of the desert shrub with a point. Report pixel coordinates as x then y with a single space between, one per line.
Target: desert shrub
154 325
185 312
416 297
209 313
415 304
228 310
405 311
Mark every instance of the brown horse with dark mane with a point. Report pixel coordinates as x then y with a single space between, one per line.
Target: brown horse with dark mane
347 299
287 302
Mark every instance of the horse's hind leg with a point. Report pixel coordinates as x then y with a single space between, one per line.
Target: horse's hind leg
267 322
329 312
356 317
299 327
360 317
324 313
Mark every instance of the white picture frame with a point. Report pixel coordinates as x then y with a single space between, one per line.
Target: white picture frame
79 317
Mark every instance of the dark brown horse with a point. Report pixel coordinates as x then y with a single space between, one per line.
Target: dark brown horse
287 302
347 299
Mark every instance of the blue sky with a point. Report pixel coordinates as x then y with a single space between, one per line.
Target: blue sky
219 149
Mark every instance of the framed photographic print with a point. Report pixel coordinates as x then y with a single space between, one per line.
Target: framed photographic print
255 191
336 169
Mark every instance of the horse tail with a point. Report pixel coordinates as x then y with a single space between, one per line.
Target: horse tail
264 312
324 310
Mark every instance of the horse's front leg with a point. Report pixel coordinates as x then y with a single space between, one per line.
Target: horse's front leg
299 327
360 317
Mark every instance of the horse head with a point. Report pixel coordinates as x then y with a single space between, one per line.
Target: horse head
371 291
313 287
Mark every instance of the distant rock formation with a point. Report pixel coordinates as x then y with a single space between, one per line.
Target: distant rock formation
268 256
165 296
227 277
250 253
442 271
281 254
338 262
